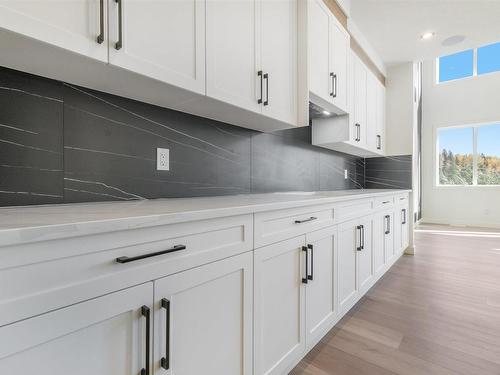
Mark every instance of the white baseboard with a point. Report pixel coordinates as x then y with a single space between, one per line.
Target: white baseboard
459 223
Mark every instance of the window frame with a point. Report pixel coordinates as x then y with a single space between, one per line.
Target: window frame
475 164
474 67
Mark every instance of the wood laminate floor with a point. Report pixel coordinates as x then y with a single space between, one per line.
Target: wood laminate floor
437 312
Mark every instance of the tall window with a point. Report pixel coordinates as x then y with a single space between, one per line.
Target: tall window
469 155
469 63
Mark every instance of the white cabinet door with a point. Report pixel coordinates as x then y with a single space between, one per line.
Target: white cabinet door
389 235
365 255
380 224
205 316
380 133
233 52
162 39
360 102
73 25
102 336
339 55
279 59
348 242
397 235
279 306
319 67
371 111
321 304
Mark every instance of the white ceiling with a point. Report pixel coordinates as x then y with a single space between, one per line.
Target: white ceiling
393 27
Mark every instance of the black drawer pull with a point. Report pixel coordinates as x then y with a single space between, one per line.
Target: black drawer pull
165 361
146 312
139 257
306 220
385 202
100 37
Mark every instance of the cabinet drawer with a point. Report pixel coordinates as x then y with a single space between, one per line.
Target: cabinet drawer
401 199
53 274
274 226
383 202
353 209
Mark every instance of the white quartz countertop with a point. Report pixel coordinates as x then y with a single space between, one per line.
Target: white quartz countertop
38 223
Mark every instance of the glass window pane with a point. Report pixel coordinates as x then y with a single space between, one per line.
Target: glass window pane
488 155
458 65
455 156
488 59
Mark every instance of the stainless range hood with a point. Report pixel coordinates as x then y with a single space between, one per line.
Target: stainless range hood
316 111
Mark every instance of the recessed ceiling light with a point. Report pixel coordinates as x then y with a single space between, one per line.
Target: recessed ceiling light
326 113
428 35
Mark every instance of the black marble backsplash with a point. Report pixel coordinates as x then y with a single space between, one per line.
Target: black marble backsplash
60 143
390 172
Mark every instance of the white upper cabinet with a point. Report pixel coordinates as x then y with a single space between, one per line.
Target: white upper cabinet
161 39
319 50
279 59
252 56
233 52
371 111
328 53
339 57
79 25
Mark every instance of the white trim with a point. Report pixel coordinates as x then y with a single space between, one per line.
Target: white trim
366 46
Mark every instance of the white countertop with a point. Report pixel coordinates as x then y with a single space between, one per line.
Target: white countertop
37 223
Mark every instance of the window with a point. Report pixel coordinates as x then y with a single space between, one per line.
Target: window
469 155
488 153
458 65
488 59
473 62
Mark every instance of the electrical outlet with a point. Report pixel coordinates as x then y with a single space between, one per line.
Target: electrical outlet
346 174
162 159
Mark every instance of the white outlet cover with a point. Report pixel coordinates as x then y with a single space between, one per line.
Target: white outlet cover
162 159
346 174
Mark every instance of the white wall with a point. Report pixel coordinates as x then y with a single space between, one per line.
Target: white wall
467 101
400 113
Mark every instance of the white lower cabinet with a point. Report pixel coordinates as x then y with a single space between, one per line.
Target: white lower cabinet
348 243
365 254
203 319
383 241
279 305
321 302
103 336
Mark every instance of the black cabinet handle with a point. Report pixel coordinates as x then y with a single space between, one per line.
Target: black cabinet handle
312 218
100 37
404 215
165 361
311 276
304 279
332 83
358 230
379 142
146 312
358 132
259 74
266 77
139 257
388 224
119 44
385 202
362 237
